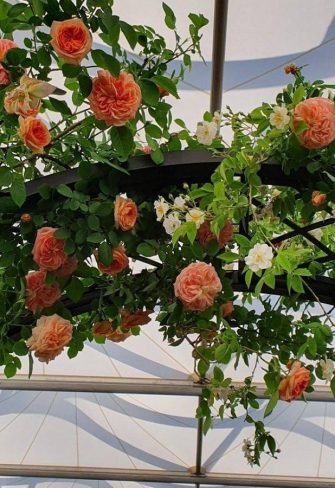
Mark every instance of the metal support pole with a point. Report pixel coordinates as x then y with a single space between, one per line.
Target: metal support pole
160 476
218 56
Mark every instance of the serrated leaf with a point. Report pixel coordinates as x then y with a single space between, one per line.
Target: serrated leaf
18 189
105 253
271 403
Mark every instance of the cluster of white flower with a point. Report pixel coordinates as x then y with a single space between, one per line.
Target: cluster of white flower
248 451
207 131
181 210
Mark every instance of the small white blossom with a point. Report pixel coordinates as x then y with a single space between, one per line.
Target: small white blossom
331 94
279 117
206 132
217 118
196 215
248 451
328 368
259 257
180 203
161 207
171 223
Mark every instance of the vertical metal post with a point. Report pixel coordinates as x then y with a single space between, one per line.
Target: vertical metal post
198 467
218 56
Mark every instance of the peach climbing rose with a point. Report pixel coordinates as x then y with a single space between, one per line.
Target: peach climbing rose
227 309
205 235
49 337
25 100
105 329
119 263
71 40
38 294
295 383
5 45
197 286
125 213
318 198
68 267
319 114
115 100
129 320
34 134
48 251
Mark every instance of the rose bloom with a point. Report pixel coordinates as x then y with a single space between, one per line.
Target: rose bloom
71 40
295 383
197 286
318 198
319 115
291 69
195 215
205 235
227 309
49 337
259 257
206 132
279 118
68 267
115 100
125 213
34 134
25 100
119 263
5 45
48 252
146 149
129 320
26 218
38 294
105 329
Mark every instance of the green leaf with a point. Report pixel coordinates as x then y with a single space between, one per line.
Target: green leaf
272 403
15 56
95 237
332 385
106 61
146 250
10 370
75 289
129 33
298 94
150 93
64 190
20 348
62 233
105 253
157 156
170 18
71 70
85 84
166 83
93 222
17 10
18 189
59 106
122 140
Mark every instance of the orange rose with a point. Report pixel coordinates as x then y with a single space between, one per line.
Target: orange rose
49 337
227 309
125 213
25 100
115 100
319 114
71 40
38 294
105 329
34 134
129 320
5 45
68 267
295 383
48 252
26 218
119 263
146 149
318 198
205 235
197 286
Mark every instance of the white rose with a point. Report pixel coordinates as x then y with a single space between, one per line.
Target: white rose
279 117
161 207
195 215
327 367
259 257
171 223
206 132
180 203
